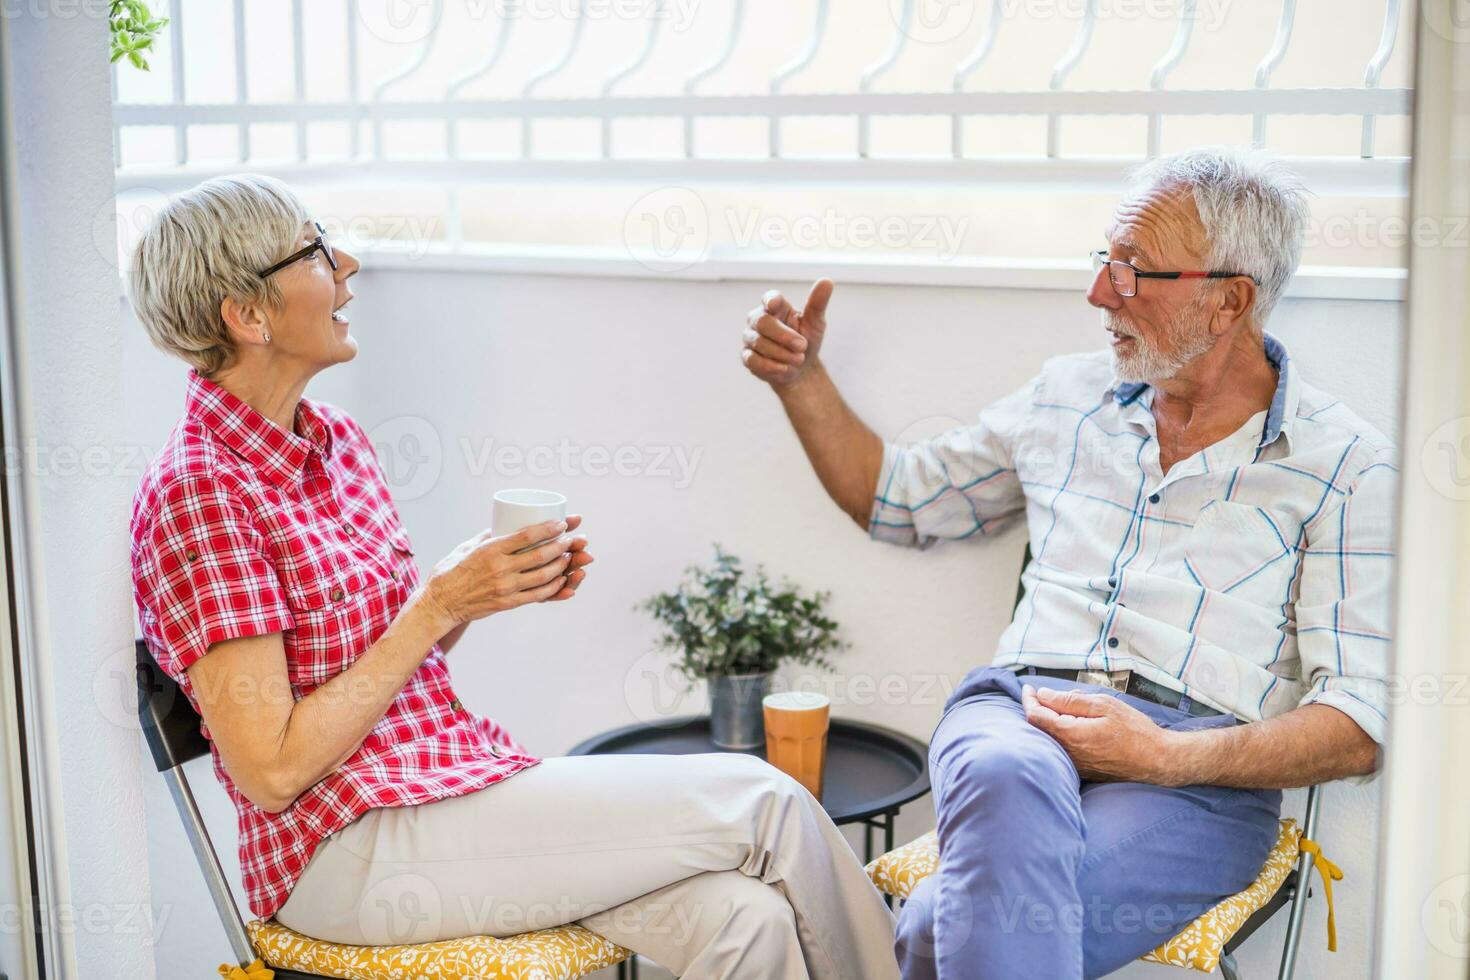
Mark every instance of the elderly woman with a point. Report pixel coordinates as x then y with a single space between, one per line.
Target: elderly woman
275 582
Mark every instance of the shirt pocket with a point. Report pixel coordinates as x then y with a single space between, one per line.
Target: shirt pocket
398 555
327 634
399 540
1243 550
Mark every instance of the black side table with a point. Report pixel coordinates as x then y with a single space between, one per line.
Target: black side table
871 771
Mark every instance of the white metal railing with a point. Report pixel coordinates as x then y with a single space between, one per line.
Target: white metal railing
1273 58
1375 66
1156 103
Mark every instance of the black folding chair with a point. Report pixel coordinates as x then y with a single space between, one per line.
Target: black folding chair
171 727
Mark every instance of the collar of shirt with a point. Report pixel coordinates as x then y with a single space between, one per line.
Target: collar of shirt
278 454
1279 416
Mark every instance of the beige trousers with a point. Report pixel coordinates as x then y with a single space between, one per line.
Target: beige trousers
709 865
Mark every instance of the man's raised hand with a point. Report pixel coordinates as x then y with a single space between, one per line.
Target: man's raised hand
780 341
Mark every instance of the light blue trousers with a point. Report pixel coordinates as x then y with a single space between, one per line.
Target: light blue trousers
1045 877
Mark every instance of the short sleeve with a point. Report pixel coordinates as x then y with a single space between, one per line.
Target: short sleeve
205 573
956 485
1346 596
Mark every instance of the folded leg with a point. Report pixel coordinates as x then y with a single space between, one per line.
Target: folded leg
575 837
1041 875
1157 858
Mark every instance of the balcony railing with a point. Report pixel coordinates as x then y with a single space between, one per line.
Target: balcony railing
1056 103
373 104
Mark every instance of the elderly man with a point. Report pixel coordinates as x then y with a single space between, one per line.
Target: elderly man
1205 620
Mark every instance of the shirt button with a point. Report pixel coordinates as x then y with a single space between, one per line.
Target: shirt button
192 555
351 529
394 573
455 705
1112 641
1112 583
338 595
1153 499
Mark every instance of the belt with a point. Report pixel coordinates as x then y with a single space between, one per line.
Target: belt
1128 682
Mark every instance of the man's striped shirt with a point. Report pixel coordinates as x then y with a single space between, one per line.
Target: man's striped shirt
1254 576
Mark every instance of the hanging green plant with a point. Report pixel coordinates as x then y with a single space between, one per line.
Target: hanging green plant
133 30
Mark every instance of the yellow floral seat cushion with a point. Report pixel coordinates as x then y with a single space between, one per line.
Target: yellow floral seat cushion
1198 947
551 954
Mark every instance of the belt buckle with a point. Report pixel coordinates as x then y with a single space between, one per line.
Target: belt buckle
1115 679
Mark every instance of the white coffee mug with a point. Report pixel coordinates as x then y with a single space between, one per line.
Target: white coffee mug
517 509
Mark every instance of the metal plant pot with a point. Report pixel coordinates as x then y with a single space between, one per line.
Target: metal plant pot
737 719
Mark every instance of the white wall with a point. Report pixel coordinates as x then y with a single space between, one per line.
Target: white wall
450 358
66 345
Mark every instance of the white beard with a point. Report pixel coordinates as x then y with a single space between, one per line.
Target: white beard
1150 364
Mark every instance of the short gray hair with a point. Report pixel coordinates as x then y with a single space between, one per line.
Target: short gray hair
207 244
1253 208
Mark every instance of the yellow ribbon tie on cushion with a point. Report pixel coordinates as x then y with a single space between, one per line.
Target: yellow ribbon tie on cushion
1330 873
255 971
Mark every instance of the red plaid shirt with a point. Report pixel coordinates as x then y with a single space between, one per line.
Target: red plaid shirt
242 529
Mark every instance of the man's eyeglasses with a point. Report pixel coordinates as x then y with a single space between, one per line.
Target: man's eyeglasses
1124 276
320 242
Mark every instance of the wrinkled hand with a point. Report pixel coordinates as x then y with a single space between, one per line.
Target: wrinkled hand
489 574
780 341
577 566
1108 739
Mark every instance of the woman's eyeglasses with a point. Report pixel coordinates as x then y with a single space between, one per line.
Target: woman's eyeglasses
320 242
1124 276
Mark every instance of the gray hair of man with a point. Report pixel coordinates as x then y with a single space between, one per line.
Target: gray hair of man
1253 208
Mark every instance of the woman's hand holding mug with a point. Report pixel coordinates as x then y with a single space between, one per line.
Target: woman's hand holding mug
488 574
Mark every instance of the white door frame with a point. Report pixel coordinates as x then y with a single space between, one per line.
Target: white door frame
26 871
62 385
1424 856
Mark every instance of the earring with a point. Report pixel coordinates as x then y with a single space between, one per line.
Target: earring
265 336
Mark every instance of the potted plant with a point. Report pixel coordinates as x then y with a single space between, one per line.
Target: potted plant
733 628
